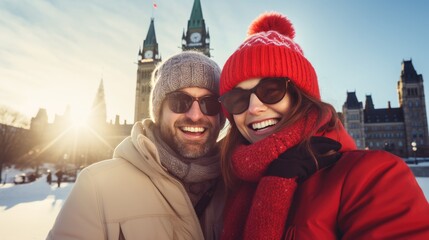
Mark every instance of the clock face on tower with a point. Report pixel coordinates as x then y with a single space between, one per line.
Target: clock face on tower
195 37
148 54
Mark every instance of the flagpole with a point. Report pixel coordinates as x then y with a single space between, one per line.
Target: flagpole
154 5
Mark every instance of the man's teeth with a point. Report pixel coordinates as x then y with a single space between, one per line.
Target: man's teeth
193 129
264 124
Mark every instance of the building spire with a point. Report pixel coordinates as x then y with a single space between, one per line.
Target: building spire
150 36
196 16
196 37
98 112
150 45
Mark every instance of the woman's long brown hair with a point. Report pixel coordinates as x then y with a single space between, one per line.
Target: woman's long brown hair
301 105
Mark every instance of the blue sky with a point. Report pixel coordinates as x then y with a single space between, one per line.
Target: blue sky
53 53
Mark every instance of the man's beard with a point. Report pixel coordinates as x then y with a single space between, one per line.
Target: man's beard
189 149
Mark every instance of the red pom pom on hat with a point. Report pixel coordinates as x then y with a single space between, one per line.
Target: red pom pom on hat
272 21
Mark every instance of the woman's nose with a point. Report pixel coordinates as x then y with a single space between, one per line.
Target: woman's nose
255 105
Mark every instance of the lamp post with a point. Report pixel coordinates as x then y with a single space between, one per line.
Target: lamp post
414 148
387 146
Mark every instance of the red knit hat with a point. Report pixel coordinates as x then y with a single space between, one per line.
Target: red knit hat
269 51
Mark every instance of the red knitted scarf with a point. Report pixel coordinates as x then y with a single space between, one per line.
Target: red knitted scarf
259 208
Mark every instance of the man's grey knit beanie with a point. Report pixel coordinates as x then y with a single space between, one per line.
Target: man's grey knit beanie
186 69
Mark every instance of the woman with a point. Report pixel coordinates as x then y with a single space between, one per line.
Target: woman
293 171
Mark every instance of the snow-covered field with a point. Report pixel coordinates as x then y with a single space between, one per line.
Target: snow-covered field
28 211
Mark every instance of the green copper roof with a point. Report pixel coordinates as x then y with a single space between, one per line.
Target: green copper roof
196 16
150 37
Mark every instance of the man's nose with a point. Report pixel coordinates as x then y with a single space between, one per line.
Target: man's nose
194 113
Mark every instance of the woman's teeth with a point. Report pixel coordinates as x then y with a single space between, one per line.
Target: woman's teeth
264 124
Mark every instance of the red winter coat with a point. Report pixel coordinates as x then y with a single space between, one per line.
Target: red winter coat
365 195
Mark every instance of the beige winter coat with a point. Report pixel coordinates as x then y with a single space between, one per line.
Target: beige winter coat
132 196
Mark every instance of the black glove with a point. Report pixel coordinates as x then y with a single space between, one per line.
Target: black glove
298 163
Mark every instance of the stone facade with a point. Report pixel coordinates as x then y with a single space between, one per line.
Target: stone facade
391 129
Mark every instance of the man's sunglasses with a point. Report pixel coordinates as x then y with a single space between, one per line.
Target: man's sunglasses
268 91
180 102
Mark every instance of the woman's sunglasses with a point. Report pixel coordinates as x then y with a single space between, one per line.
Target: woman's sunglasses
180 102
268 91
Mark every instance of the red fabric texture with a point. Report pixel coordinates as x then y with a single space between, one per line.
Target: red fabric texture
365 195
259 211
237 207
265 151
271 204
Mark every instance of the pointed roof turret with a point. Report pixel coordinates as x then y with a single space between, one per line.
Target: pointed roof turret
150 45
196 16
41 116
40 121
369 105
352 101
408 73
151 36
98 110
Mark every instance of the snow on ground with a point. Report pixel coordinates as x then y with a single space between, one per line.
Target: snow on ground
28 211
424 185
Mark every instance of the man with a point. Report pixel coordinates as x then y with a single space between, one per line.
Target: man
164 180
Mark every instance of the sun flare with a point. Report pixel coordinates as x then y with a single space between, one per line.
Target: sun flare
79 117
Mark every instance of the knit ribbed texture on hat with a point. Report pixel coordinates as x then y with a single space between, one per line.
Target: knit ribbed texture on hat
186 69
270 53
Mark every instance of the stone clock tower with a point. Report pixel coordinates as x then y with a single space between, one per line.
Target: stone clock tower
412 100
148 57
196 36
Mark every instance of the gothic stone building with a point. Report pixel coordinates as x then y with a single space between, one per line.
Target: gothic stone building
196 37
391 129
